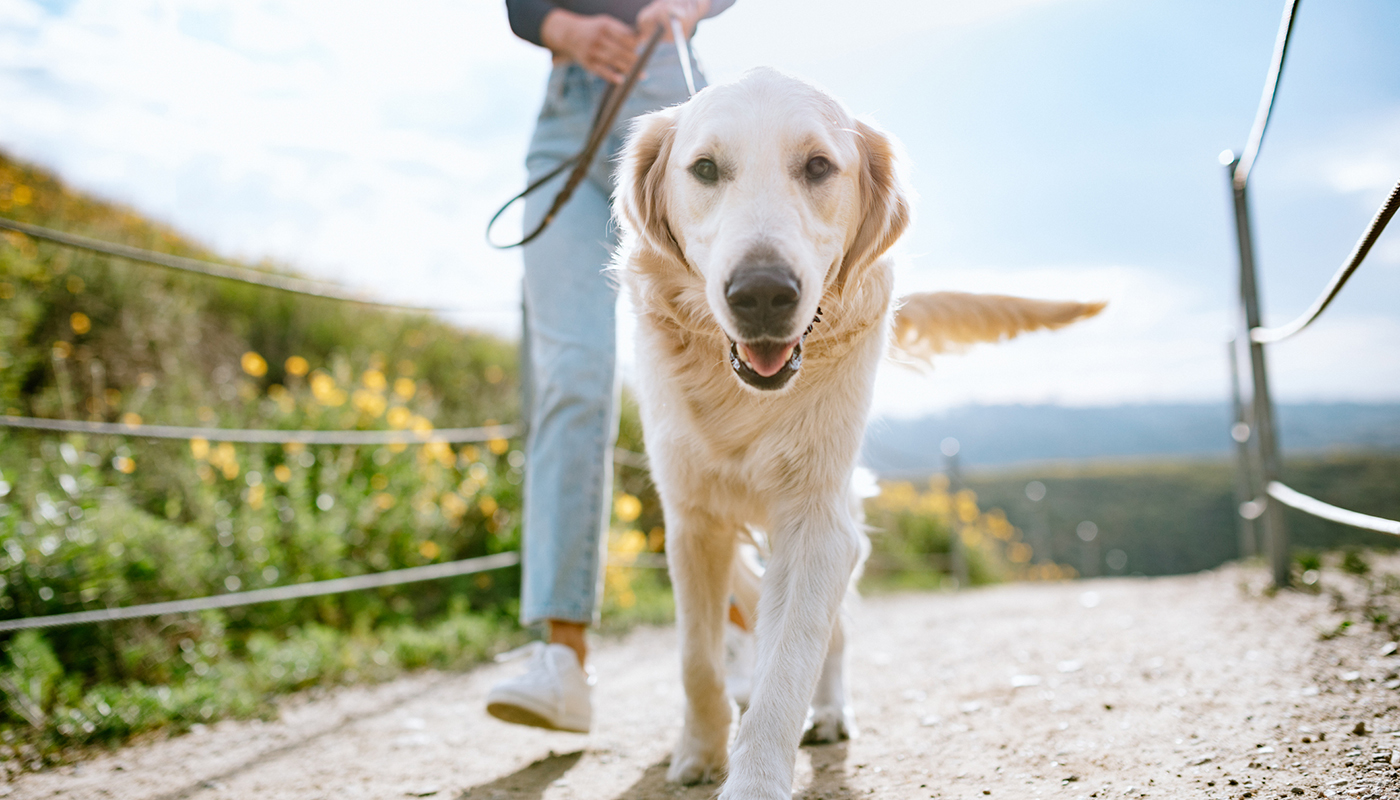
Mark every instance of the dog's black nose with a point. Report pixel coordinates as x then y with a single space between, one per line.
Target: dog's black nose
763 300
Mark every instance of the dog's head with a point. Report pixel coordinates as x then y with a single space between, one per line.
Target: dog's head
768 196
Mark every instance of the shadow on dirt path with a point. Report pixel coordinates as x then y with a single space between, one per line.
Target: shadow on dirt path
828 773
529 783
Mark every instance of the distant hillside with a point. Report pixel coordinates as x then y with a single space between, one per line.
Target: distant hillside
1168 516
1005 435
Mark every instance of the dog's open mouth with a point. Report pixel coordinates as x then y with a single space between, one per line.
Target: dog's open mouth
767 364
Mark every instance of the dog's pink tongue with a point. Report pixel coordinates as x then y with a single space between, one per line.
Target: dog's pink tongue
767 358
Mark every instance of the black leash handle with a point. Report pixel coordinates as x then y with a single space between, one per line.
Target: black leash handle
608 108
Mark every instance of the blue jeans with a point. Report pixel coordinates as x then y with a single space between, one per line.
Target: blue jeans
569 345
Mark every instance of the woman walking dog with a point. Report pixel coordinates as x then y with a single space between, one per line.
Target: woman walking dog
569 335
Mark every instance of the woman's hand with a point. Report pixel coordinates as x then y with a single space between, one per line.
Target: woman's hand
601 44
659 13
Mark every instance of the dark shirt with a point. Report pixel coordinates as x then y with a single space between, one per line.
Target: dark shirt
526 16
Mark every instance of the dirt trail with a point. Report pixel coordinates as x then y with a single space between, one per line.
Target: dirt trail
1184 687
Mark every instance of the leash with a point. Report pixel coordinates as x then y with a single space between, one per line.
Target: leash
609 105
608 108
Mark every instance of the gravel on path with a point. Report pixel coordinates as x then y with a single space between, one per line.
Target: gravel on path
1197 686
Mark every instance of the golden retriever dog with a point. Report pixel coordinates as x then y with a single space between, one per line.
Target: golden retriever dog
757 218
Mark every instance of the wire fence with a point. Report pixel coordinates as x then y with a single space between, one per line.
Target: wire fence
416 436
271 280
267 436
1253 429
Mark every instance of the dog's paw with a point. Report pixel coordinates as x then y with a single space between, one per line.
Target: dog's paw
692 768
829 725
737 788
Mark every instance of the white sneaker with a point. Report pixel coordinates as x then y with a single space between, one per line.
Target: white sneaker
739 655
554 691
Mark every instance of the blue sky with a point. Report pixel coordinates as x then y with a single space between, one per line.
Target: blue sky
1058 148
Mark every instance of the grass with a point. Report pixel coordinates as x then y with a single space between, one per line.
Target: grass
92 522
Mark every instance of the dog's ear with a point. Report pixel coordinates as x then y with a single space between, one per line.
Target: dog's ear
640 197
885 211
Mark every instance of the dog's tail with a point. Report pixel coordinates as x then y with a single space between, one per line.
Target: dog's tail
936 322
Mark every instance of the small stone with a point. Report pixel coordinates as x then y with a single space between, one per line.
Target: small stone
1296 790
1359 730
1351 676
1389 648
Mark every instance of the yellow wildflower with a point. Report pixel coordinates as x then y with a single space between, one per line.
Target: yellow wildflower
374 380
254 364
399 417
627 507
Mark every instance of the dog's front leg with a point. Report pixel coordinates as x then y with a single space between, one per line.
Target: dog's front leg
832 719
813 557
700 550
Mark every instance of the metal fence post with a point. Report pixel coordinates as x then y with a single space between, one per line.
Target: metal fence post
1245 488
1262 432
957 552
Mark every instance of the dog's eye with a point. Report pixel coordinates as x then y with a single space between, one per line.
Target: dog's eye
818 168
705 170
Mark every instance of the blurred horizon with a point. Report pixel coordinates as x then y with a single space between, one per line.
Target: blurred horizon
1012 437
1059 148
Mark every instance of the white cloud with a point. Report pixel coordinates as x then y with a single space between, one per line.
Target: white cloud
814 35
358 141
1366 159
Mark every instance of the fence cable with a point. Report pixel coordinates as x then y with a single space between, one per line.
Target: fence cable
1358 254
1295 499
266 436
623 456
1266 103
294 591
213 269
